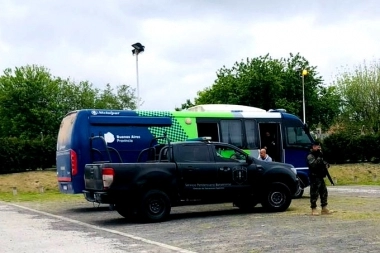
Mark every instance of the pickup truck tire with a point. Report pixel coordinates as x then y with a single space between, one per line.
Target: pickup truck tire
277 198
155 206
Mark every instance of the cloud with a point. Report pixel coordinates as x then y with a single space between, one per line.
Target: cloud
186 42
328 46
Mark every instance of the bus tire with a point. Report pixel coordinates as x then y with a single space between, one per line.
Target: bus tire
154 206
277 198
300 191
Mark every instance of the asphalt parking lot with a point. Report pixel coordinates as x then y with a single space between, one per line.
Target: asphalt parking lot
216 228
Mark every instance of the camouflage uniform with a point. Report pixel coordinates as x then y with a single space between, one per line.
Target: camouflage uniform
317 170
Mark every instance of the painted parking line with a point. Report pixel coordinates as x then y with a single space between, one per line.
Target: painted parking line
354 190
162 245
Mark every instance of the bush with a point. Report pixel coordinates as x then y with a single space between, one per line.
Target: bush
18 155
346 148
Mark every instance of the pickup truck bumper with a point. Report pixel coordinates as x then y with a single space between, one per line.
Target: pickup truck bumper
98 197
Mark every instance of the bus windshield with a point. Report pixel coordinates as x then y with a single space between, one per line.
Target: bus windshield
297 136
64 135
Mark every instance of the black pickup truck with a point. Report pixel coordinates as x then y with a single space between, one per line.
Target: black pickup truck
190 172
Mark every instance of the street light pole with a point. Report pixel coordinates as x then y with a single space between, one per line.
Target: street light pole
137 82
304 73
138 48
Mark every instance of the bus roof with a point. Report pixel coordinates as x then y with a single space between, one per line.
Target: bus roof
224 108
206 110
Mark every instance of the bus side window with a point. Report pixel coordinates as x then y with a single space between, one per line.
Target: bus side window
232 132
251 134
209 129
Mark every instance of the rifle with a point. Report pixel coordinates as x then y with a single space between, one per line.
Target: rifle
327 166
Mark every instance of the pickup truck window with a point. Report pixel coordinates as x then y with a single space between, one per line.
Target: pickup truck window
228 154
194 153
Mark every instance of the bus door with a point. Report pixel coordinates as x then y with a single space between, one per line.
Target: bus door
270 138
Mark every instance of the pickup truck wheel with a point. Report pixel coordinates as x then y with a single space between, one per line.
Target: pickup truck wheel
155 206
277 198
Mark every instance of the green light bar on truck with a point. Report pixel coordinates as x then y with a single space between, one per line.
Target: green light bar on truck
200 139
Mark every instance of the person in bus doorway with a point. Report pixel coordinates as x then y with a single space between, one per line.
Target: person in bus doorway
269 143
264 156
317 173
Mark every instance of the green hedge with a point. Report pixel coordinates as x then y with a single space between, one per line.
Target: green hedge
348 148
18 155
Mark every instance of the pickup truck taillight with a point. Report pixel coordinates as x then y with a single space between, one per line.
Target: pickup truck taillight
107 174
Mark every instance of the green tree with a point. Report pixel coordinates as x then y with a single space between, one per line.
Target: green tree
184 106
270 83
71 96
122 98
329 106
107 99
32 101
26 105
360 91
126 97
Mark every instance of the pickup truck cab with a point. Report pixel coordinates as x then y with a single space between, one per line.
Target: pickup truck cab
190 172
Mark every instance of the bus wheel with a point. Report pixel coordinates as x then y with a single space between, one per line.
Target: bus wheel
155 206
299 192
277 198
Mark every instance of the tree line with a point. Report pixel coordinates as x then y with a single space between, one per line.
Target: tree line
32 104
33 101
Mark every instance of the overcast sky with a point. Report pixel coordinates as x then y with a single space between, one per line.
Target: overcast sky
186 41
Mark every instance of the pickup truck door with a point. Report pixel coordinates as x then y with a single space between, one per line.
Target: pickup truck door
233 174
197 170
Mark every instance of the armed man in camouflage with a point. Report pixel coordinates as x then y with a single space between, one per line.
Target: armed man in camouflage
317 171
